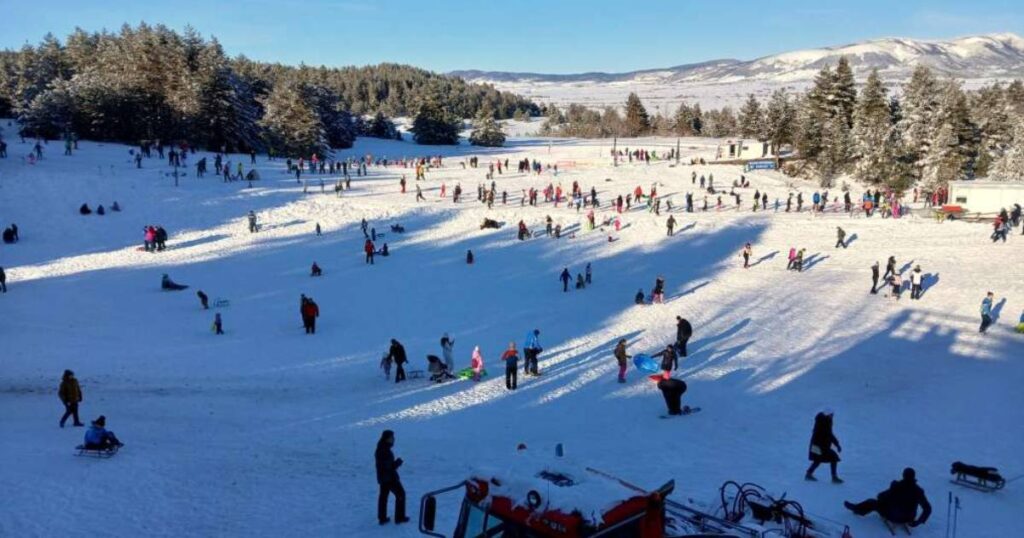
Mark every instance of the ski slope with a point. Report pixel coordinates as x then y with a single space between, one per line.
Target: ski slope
266 431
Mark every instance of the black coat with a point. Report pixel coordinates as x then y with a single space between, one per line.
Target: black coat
397 353
668 358
899 503
822 439
387 466
683 329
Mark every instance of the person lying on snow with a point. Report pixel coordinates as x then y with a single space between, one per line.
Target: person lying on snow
490 223
97 437
167 284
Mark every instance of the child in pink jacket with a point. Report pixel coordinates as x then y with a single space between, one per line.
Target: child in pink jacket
477 363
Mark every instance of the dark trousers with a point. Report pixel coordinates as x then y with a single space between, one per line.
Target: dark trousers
310 325
530 362
681 346
814 466
840 243
672 390
986 320
565 285
511 371
866 507
369 258
70 410
399 373
874 284
915 291
398 491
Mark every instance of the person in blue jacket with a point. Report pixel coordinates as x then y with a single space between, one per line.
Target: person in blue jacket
531 350
97 437
986 312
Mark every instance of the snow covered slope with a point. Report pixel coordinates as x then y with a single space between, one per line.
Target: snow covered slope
266 431
975 59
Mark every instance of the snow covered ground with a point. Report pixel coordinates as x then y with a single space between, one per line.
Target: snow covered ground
266 431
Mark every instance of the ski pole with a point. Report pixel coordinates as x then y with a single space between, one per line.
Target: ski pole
956 514
949 505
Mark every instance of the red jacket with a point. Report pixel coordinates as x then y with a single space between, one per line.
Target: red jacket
368 247
311 310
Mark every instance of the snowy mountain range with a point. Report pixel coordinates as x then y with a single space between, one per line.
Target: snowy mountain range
985 56
976 60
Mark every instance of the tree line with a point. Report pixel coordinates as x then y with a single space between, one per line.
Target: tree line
153 83
931 130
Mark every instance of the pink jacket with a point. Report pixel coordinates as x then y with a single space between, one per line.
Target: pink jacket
477 362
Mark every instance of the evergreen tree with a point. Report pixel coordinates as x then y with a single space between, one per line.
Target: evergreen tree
433 125
919 107
751 119
952 151
871 131
991 114
844 91
637 122
486 131
1010 166
380 126
292 124
779 121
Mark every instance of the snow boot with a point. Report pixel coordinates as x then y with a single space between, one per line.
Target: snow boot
810 478
837 480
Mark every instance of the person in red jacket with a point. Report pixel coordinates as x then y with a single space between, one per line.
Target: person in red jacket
369 249
310 311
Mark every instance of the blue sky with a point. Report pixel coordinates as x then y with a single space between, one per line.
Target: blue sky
553 36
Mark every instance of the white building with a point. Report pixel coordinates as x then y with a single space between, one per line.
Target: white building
986 196
743 150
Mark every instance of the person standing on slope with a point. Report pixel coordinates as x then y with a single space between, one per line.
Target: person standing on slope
565 277
820 450
840 237
511 359
986 312
531 351
369 249
916 283
669 360
747 251
70 395
388 480
310 311
397 354
683 333
622 358
476 363
671 224
447 346
874 278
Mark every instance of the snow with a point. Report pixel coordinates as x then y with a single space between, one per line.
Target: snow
266 431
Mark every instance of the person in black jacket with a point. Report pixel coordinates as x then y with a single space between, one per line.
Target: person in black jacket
683 333
899 503
874 278
388 480
820 451
669 360
397 354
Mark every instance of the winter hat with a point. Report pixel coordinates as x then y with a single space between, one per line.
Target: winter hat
68 373
536 331
909 474
101 421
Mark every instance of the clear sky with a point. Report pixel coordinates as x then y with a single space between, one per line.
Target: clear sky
547 36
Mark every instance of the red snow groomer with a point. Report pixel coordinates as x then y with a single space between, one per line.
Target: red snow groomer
559 501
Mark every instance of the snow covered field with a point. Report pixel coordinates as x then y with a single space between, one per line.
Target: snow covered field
266 431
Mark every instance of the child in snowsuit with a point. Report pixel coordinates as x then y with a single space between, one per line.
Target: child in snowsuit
622 358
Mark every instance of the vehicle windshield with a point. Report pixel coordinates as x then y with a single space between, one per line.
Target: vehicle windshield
477 523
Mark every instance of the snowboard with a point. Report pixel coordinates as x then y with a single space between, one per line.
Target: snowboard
687 410
647 364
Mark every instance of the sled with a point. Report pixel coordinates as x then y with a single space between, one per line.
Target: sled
221 303
414 374
100 453
647 364
893 526
985 479
467 373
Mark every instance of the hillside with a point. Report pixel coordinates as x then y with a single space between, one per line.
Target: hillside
267 431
